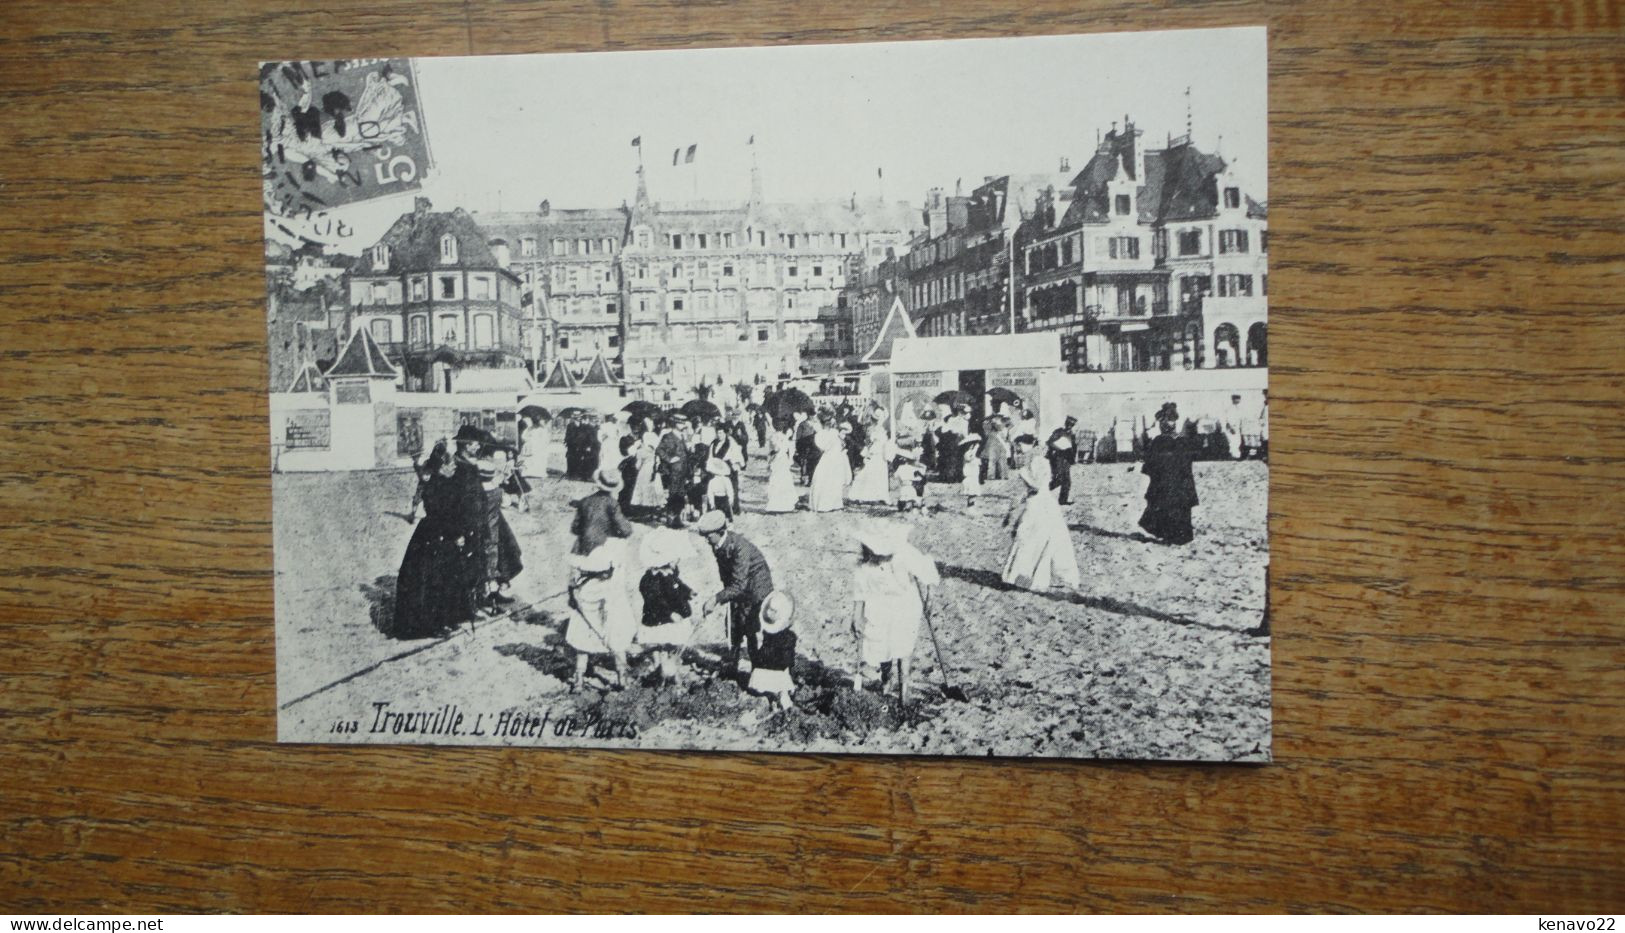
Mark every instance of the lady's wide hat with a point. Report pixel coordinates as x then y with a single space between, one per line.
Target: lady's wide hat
469 432
1168 412
971 440
608 480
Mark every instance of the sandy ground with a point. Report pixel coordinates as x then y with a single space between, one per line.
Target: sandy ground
1160 655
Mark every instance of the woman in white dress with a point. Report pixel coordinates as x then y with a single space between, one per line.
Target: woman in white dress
890 593
781 480
872 483
1041 554
601 618
834 471
650 492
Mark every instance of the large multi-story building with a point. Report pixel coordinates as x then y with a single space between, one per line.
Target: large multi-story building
437 295
1158 262
568 265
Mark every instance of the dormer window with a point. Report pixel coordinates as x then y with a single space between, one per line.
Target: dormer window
1124 204
1232 197
448 248
527 246
380 257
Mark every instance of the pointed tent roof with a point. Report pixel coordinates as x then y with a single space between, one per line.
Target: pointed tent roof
309 379
558 377
897 325
362 356
598 373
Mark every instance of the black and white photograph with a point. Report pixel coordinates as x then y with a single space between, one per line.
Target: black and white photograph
884 398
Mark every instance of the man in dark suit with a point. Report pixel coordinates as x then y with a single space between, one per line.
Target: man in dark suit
1062 452
672 456
746 583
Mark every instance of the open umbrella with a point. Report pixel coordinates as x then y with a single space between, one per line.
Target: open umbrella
537 412
789 401
572 411
1003 396
642 409
953 397
699 409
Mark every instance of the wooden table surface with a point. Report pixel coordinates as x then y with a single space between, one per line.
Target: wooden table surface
1447 329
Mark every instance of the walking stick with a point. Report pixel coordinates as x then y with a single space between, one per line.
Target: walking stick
948 690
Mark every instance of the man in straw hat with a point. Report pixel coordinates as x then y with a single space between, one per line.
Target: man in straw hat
746 583
598 515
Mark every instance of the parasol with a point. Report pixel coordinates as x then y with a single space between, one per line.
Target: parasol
642 409
1003 396
953 397
699 409
537 412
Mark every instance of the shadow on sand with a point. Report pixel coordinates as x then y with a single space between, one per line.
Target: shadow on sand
991 580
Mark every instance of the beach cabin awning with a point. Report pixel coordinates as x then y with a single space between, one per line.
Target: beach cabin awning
896 326
994 351
516 381
362 356
599 373
559 378
309 379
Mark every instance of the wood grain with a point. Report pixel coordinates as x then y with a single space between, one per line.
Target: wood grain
1447 331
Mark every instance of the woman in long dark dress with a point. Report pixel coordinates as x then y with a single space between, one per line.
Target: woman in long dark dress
435 587
1171 493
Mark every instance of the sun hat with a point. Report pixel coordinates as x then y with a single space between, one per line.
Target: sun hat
777 611
878 538
608 479
716 467
711 521
663 546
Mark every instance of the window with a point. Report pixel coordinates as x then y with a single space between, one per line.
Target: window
643 305
564 342
420 288
380 257
383 330
841 237
1232 197
704 242
702 302
527 246
1124 202
677 304
561 247
1263 241
1235 286
1124 247
761 334
818 271
1066 252
614 340
448 287
761 238
1190 242
1232 241
482 331
642 270
792 272
727 241
448 248
380 293
609 308
761 268
479 287
609 245
583 247
792 241
445 329
790 300
609 274
1264 285
727 270
705 269
643 239
419 331
677 241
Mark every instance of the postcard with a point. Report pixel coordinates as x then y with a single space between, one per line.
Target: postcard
889 398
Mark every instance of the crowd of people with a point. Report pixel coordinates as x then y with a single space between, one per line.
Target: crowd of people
682 472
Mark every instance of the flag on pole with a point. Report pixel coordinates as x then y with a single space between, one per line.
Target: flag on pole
880 173
637 141
690 157
676 154
752 141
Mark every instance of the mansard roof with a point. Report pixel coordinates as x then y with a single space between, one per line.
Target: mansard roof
589 223
414 243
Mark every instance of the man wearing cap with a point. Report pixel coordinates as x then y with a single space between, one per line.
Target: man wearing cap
746 584
1062 452
598 516
672 454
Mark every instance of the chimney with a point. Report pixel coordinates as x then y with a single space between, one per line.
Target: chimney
545 208
936 214
1066 165
420 206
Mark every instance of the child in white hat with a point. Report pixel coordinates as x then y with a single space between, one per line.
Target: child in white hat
910 480
891 593
776 655
970 450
